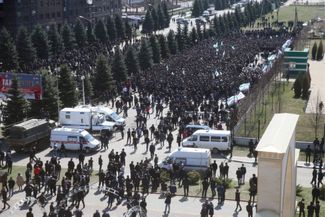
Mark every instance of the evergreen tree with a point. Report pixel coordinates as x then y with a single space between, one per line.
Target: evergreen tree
67 37
217 5
145 55
89 93
155 49
128 31
199 31
100 32
148 24
15 110
193 36
179 38
320 51
155 19
118 67
26 52
40 43
161 17
67 88
120 28
103 80
55 41
90 34
305 86
111 29
297 85
314 51
50 97
172 43
8 53
166 14
216 25
205 4
164 51
131 61
196 10
185 36
80 34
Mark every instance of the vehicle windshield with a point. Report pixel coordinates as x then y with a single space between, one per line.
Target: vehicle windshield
114 116
89 137
100 119
192 138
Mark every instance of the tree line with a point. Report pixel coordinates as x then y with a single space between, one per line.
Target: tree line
21 52
156 18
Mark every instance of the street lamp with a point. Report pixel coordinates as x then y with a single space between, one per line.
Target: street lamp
83 89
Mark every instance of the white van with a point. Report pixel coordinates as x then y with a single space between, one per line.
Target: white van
214 140
71 138
109 114
190 158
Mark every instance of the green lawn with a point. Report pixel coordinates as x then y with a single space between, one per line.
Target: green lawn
287 13
306 127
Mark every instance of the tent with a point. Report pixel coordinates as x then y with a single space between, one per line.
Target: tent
235 99
244 87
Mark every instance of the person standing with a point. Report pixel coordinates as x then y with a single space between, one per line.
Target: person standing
237 198
168 201
214 167
4 198
239 176
30 212
317 209
310 209
249 209
211 209
20 182
96 214
186 186
100 162
301 206
11 184
314 174
243 172
205 185
152 150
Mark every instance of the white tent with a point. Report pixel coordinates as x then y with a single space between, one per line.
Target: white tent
235 99
244 87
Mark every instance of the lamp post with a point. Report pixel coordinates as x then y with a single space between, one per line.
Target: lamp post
56 70
83 89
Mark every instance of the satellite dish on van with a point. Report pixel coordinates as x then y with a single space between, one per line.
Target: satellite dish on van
90 2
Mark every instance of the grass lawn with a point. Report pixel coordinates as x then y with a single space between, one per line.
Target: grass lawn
287 13
306 126
306 194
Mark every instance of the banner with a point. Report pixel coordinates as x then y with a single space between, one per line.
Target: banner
29 85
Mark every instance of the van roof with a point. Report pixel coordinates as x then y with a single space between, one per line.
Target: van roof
209 132
196 150
77 109
197 126
66 129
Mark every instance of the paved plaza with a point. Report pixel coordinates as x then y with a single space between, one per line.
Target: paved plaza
181 207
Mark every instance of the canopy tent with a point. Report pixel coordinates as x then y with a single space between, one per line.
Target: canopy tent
244 87
235 99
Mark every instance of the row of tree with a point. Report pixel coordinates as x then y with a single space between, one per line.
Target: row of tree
317 52
23 52
156 18
108 75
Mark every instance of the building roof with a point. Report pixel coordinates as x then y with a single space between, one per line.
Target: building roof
277 135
